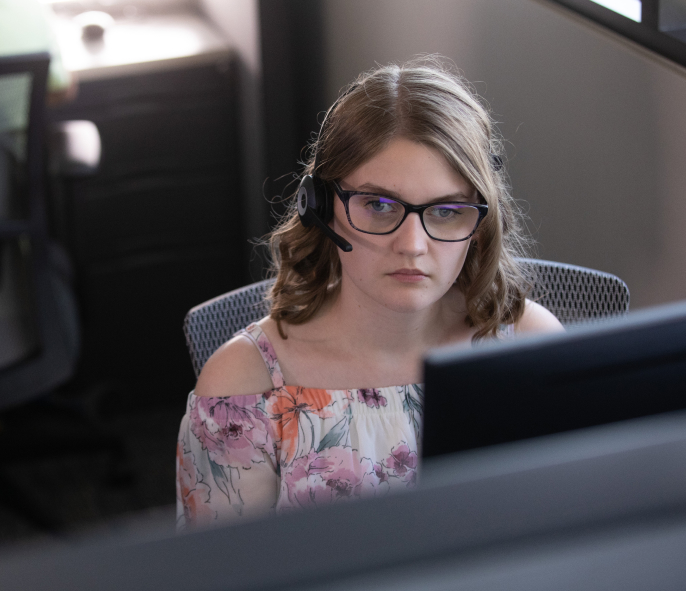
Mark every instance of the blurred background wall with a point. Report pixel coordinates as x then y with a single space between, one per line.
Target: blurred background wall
239 21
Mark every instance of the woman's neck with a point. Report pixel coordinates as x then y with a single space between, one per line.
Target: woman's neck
356 342
364 324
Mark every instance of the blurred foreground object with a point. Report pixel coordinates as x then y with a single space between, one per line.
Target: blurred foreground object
598 509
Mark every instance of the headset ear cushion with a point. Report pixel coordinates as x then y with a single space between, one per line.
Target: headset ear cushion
324 199
306 200
314 199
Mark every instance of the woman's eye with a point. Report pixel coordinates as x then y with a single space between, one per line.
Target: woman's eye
380 205
445 212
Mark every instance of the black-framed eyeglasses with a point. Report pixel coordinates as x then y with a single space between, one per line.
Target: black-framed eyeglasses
451 221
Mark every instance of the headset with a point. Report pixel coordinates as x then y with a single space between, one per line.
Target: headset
315 199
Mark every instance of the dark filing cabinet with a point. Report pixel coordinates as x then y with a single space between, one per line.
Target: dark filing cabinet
160 227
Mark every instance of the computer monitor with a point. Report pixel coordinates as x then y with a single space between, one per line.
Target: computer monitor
503 392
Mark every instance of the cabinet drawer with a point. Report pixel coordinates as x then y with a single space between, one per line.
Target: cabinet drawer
154 213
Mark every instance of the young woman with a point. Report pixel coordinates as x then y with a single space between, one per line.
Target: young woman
321 401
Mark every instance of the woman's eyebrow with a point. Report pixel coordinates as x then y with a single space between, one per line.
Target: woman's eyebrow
372 188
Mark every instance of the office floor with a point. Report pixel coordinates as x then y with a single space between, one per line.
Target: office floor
75 489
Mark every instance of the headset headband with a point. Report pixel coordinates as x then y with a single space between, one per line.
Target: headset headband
331 109
496 159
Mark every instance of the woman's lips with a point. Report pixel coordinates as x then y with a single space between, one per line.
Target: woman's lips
408 275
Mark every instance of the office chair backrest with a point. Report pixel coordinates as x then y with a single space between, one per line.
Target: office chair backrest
48 309
574 294
212 323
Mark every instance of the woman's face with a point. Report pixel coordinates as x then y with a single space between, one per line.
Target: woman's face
406 270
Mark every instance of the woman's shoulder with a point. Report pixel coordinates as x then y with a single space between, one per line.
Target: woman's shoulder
536 318
237 368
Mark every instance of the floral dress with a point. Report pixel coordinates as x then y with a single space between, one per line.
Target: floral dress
293 447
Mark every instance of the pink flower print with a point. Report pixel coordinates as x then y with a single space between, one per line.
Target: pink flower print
304 484
401 460
340 487
333 475
269 356
267 349
374 482
371 397
234 430
191 490
340 471
380 474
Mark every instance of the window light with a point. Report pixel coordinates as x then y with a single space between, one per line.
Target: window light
628 8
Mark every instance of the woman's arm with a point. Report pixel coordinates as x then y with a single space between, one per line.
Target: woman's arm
226 461
227 452
236 368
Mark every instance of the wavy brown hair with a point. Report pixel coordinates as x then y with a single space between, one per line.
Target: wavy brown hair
424 101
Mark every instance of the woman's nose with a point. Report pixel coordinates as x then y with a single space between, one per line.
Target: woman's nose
411 238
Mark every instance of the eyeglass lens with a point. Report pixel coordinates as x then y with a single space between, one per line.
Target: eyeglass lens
444 221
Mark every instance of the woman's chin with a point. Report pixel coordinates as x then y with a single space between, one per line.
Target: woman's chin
410 303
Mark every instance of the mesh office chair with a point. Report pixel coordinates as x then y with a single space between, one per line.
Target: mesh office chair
574 294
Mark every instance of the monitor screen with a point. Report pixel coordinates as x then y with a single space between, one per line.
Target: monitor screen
502 392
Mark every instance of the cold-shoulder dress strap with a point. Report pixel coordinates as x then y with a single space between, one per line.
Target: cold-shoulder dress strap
264 346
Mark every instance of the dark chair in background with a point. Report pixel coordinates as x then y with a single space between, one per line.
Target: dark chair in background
39 336
576 295
39 321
